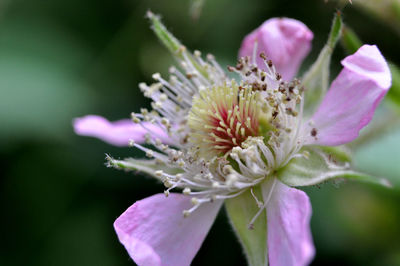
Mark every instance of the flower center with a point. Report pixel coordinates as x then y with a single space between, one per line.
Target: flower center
223 117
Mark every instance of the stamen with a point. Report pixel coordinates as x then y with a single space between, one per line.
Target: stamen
259 203
262 208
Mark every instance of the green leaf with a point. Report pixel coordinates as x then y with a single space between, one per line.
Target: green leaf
316 79
381 156
320 167
240 211
387 11
41 83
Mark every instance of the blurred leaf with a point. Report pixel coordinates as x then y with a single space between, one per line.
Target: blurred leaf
386 10
87 234
381 157
195 8
316 79
40 87
254 241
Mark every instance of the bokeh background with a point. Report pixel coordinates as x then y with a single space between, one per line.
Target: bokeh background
63 59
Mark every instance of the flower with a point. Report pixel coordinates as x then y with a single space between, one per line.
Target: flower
218 139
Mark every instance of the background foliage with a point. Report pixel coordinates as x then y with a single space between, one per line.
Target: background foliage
62 59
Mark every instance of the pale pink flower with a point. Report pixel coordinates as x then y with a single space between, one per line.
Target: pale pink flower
208 118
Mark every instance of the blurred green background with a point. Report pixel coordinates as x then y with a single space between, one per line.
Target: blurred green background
63 59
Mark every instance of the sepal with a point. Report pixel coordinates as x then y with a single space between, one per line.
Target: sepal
149 167
316 79
176 48
316 167
254 241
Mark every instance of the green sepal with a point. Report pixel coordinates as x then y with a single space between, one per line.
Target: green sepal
341 153
166 37
148 167
176 48
316 79
350 40
319 166
254 241
394 92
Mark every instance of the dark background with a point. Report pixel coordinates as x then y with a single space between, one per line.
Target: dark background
63 59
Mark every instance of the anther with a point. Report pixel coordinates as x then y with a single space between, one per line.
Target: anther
150 153
156 76
195 201
163 97
134 118
314 132
159 173
186 191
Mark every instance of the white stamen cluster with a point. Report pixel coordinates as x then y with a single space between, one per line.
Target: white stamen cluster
172 99
285 108
228 136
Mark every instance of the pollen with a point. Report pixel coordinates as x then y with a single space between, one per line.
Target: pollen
223 117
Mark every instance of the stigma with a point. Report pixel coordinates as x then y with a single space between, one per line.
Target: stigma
223 117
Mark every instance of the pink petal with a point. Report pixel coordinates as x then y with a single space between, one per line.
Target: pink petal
352 98
289 236
117 133
154 231
285 41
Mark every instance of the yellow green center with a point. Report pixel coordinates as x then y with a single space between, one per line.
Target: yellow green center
223 117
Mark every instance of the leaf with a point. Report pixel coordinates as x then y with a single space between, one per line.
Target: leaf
320 167
316 79
41 83
240 211
381 156
387 11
